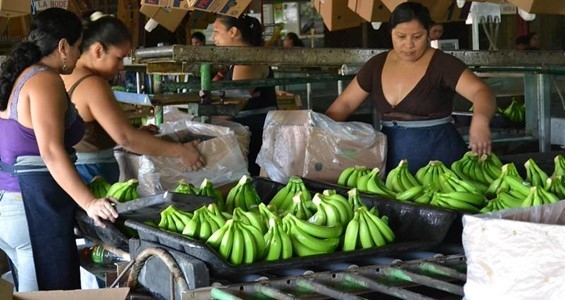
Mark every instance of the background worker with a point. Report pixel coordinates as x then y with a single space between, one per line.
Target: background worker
247 31
412 87
106 42
198 39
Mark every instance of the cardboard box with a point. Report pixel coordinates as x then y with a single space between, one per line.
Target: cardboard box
311 145
370 10
438 8
169 18
336 14
13 8
516 253
6 293
178 4
223 7
541 6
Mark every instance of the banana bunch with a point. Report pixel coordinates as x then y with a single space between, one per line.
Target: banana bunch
539 196
203 224
373 184
429 175
534 174
124 191
238 243
300 208
559 165
515 112
267 211
463 201
184 187
99 186
366 230
426 196
400 179
278 244
173 219
207 189
311 239
556 186
283 198
354 199
254 219
502 201
500 184
349 176
449 182
332 208
480 171
243 195
412 193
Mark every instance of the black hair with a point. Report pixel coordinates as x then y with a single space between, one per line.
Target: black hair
296 41
104 29
409 11
46 31
250 28
522 40
199 36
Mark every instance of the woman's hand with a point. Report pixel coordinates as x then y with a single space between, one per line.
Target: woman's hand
479 135
102 209
190 157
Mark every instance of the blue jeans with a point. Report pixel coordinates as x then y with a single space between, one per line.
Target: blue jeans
109 171
14 240
420 145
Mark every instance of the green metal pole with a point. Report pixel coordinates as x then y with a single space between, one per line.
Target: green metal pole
156 78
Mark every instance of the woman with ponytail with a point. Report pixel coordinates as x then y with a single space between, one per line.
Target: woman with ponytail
39 127
246 31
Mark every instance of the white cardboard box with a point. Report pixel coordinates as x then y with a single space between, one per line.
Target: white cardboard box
6 293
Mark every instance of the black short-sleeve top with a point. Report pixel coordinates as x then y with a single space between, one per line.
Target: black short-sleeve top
431 98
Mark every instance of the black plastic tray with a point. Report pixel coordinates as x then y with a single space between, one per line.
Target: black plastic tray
142 209
416 227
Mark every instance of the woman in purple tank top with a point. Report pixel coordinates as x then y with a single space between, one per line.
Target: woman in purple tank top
40 126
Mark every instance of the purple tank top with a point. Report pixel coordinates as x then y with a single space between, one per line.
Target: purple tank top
17 140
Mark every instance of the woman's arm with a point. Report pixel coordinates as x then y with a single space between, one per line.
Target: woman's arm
47 107
484 106
346 103
96 96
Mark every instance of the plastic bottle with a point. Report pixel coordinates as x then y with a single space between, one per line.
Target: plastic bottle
102 256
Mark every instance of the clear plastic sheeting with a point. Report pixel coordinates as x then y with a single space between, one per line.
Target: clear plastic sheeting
312 145
225 160
516 253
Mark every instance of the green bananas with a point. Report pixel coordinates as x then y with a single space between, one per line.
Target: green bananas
480 171
502 201
278 244
254 219
124 191
429 175
534 174
173 219
203 224
304 243
556 186
99 186
354 199
238 243
462 201
373 184
366 230
515 112
500 184
349 176
300 208
334 206
243 195
400 179
283 199
184 187
207 189
559 165
539 196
